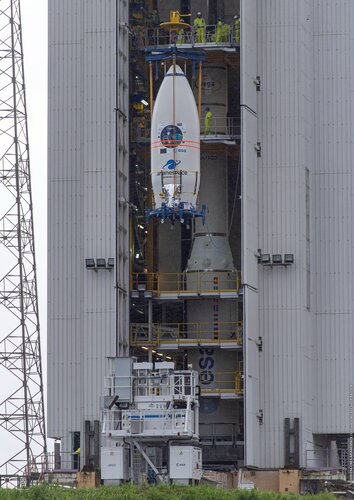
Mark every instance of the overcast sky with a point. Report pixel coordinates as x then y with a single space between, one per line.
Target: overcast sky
34 30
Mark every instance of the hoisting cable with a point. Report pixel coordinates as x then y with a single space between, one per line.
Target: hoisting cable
151 91
200 92
235 195
174 123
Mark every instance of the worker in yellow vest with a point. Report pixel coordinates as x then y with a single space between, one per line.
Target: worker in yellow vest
237 29
219 31
199 25
208 121
226 32
76 458
181 37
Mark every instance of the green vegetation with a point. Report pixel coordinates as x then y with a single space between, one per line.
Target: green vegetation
132 492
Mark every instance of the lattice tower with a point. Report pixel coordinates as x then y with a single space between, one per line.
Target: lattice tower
22 425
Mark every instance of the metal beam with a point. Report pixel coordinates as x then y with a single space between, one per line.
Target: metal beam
147 459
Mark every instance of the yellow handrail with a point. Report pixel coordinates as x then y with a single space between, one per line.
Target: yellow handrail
192 332
225 382
188 282
199 332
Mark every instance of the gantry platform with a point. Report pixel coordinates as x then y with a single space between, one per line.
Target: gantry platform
173 336
186 285
191 37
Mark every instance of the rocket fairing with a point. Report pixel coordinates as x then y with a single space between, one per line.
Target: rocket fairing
175 150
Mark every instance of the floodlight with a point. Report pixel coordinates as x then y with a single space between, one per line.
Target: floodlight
265 258
90 263
289 258
277 258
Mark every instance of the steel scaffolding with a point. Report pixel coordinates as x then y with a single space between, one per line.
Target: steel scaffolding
22 425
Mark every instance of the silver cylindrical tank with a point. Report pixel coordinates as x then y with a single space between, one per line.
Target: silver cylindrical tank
211 262
218 368
217 318
211 249
213 192
214 97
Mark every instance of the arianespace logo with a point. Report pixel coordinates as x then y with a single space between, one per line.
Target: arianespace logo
171 164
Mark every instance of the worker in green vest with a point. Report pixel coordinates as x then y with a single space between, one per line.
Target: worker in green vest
76 458
208 121
225 32
199 25
237 29
219 31
181 37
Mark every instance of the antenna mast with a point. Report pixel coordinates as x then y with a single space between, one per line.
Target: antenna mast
22 425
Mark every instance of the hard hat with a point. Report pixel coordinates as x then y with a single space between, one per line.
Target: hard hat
236 17
181 21
199 14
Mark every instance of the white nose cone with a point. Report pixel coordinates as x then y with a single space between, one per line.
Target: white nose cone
175 145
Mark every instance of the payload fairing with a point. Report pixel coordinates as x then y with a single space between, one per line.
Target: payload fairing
175 150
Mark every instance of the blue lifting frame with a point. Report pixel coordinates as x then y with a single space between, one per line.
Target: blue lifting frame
175 213
152 54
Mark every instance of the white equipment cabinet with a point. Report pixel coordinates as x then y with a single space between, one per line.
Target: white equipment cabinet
114 464
185 464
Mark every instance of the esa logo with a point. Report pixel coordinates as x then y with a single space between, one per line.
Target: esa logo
206 364
171 164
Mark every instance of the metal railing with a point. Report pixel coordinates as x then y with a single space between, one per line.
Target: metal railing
186 333
140 129
64 461
211 35
222 383
147 422
219 126
186 282
181 384
220 433
327 458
